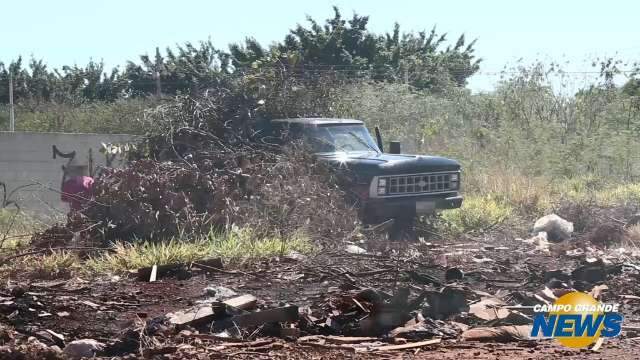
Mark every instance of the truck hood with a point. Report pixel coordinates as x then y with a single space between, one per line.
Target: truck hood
371 164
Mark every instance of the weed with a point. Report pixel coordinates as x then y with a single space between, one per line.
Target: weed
52 265
525 194
477 214
625 194
238 244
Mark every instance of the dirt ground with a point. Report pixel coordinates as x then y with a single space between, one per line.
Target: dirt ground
128 314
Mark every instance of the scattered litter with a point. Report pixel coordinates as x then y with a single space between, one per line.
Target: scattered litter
354 249
85 348
557 228
219 292
498 333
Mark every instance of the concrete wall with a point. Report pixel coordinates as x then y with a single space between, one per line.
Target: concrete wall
27 157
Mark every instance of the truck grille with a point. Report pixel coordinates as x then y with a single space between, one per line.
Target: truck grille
419 184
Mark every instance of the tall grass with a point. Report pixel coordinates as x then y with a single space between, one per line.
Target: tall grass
121 117
237 245
526 125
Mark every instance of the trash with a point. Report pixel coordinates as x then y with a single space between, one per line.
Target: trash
575 253
420 328
539 241
453 274
407 346
277 315
339 339
145 273
590 273
557 228
479 258
423 278
448 301
154 273
243 302
353 249
90 304
85 348
219 292
197 316
498 333
557 274
598 291
491 311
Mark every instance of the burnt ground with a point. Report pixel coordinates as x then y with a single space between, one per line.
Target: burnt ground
127 314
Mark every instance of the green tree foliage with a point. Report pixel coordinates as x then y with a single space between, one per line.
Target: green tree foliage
348 47
343 48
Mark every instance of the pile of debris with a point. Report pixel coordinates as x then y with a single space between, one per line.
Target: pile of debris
343 301
190 181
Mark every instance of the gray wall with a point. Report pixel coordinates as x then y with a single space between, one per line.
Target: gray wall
26 157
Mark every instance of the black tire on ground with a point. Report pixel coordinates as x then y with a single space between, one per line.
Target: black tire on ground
403 229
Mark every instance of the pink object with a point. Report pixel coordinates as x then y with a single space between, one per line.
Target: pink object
77 191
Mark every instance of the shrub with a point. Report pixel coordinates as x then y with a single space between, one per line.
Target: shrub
237 244
624 194
477 214
528 195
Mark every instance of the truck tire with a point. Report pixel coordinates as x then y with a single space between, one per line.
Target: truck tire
403 229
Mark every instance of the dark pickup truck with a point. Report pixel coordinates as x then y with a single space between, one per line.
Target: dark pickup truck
389 185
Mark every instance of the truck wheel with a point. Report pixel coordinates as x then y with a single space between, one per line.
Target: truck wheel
403 229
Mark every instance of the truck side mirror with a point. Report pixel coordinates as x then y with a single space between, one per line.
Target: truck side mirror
379 139
394 147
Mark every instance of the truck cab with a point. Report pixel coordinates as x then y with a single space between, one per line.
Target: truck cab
388 185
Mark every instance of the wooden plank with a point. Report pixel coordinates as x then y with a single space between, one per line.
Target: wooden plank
283 314
407 346
194 317
144 274
242 302
339 339
154 273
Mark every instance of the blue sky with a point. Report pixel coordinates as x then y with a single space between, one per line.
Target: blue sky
73 31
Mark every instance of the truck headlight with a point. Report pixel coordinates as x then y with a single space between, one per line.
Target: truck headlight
382 186
454 180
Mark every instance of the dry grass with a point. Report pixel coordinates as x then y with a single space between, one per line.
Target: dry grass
237 245
527 195
632 238
622 194
50 265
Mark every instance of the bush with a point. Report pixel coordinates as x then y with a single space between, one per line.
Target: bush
122 117
477 214
529 196
624 194
238 244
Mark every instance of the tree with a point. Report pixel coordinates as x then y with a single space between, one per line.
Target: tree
348 47
338 48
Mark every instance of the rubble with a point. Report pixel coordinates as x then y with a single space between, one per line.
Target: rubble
498 333
556 228
335 301
85 348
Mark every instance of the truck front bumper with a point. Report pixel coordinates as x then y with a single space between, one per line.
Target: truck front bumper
381 209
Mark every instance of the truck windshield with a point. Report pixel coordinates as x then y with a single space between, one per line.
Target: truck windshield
332 138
